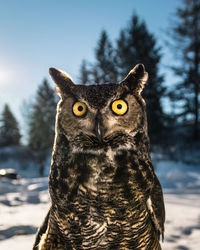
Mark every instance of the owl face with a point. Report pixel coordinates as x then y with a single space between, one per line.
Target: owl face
97 116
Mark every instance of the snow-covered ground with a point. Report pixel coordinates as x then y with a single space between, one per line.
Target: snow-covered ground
24 203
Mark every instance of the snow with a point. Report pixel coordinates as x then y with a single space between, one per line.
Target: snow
178 176
24 203
23 160
182 228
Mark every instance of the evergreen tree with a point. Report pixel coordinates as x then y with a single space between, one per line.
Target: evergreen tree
9 129
41 123
185 33
137 45
104 70
84 73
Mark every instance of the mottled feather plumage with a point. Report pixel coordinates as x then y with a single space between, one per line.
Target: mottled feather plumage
103 189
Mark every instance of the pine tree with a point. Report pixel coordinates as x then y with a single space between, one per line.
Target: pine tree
185 34
137 45
41 123
9 129
104 70
84 73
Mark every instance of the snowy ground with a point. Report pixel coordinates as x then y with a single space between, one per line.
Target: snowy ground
24 203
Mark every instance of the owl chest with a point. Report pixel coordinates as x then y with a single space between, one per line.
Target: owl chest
108 226
108 208
109 183
105 198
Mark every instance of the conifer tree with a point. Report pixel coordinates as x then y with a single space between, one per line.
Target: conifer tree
84 73
41 123
104 70
9 129
185 34
137 45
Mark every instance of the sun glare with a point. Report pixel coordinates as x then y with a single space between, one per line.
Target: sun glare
2 171
5 76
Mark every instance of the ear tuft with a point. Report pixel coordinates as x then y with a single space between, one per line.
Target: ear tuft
63 81
52 71
136 78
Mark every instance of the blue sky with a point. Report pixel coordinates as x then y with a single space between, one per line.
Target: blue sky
36 35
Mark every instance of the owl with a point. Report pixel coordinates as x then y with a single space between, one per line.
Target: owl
104 192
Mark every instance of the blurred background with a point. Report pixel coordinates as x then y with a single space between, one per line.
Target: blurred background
97 42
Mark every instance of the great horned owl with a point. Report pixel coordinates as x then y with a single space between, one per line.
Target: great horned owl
104 192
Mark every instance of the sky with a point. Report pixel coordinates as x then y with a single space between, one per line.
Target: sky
36 35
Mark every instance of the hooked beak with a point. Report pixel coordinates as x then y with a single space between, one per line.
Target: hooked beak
99 129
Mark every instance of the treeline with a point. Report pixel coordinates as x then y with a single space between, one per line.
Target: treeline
40 120
135 44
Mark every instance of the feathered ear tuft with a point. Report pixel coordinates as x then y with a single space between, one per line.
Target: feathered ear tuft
63 81
136 78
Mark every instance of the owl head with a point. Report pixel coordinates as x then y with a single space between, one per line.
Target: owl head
99 116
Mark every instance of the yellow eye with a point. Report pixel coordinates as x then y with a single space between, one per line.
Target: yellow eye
119 107
79 109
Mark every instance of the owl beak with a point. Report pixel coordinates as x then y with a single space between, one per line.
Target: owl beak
99 130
